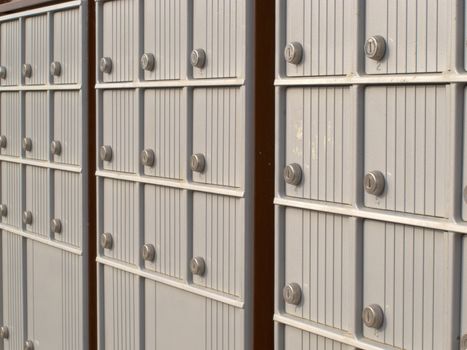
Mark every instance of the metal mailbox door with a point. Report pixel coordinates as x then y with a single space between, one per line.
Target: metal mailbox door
10 124
10 52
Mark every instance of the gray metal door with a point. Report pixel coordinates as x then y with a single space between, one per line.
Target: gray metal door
175 128
369 170
43 171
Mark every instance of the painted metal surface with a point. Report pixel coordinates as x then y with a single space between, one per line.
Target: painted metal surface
44 237
370 177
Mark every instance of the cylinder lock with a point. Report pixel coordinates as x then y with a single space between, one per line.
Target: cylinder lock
2 72
198 163
4 332
105 65
106 240
27 217
148 61
292 294
374 183
3 210
28 345
55 68
197 266
56 147
198 58
27 70
147 157
56 226
148 252
293 174
27 144
293 53
373 316
105 153
375 48
3 141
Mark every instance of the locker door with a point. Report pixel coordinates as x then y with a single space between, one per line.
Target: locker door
35 68
10 52
10 124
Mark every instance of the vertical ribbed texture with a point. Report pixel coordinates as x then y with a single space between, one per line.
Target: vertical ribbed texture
121 219
121 315
218 133
120 38
72 302
10 194
406 273
67 45
165 37
165 131
324 29
68 207
36 49
314 259
318 121
165 227
416 34
37 190
10 123
219 29
68 121
224 327
120 128
36 124
12 288
218 237
296 339
10 46
406 138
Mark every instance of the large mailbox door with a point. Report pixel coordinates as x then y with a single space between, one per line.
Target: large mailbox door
371 184
174 230
43 176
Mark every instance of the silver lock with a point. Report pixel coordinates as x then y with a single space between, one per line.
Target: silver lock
375 48
148 252
27 70
105 153
28 345
373 316
197 266
464 342
4 332
55 226
55 68
147 157
3 141
198 58
374 183
2 72
56 147
292 294
106 240
27 217
198 162
3 210
293 174
105 65
148 61
465 194
293 53
27 144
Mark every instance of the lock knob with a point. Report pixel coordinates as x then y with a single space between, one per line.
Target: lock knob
374 183
147 157
197 266
27 217
3 210
105 65
27 144
293 53
56 147
292 294
375 48
3 141
4 332
106 240
2 72
148 252
55 68
148 61
373 316
198 162
198 58
105 153
27 70
56 226
28 345
293 174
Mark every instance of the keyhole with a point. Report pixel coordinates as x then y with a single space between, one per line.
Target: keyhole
368 317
